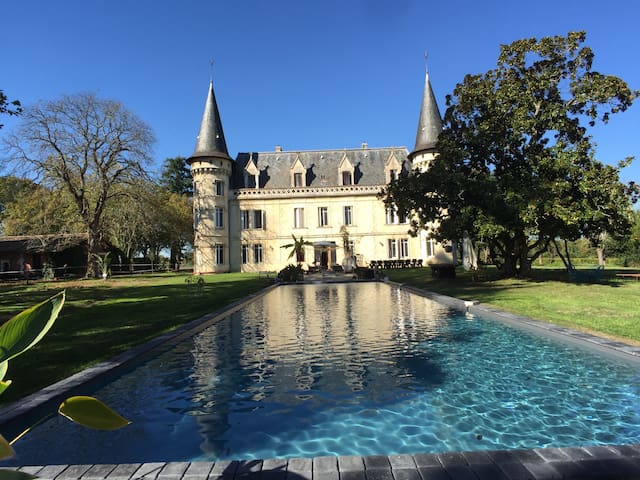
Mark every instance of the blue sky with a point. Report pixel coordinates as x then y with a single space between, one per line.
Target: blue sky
301 74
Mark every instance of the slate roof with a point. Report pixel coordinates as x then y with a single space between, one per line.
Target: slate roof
430 122
323 166
210 141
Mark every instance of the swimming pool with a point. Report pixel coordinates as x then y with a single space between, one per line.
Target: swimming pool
352 369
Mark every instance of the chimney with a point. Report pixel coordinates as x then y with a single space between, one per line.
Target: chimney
278 148
364 145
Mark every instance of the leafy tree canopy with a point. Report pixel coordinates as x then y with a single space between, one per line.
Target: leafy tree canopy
87 146
516 166
9 107
176 176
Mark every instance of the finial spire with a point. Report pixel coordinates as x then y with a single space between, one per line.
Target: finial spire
426 60
211 70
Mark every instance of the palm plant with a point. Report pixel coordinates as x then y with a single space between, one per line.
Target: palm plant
297 248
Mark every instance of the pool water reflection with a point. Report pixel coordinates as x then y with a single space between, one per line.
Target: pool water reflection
352 369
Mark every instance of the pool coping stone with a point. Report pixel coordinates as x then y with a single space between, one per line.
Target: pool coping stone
598 462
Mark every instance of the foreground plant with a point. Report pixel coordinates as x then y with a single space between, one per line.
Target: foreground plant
20 334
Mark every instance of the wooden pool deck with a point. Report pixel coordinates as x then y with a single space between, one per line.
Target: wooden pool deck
610 462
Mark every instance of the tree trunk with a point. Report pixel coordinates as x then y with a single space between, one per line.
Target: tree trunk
93 249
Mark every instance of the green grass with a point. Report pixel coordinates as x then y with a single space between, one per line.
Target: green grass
101 319
610 307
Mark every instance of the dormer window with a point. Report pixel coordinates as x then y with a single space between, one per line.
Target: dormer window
392 168
346 171
298 173
251 175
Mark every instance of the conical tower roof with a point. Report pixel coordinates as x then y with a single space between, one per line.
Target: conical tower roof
430 123
210 141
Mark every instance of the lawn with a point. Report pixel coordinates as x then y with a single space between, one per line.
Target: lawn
103 318
610 307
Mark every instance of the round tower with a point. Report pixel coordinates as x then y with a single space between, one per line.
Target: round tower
423 154
211 168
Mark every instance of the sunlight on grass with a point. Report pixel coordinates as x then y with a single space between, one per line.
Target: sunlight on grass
101 319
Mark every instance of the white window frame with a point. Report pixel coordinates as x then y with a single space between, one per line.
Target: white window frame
218 217
258 217
298 217
245 253
348 214
219 188
218 250
392 248
430 247
404 248
323 216
244 219
258 253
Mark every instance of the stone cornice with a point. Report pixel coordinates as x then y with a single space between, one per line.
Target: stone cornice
307 192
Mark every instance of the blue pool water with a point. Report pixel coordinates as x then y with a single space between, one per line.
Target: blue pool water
352 369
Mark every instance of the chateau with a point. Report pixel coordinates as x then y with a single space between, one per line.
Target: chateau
247 209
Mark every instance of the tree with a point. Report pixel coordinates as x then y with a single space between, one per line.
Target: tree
10 188
297 248
516 167
37 210
176 179
9 107
176 176
87 146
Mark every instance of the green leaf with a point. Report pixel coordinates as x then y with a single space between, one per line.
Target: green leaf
4 386
13 475
6 450
28 327
92 413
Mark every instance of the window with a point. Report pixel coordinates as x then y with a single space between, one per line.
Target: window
245 253
250 181
323 216
347 178
431 247
404 248
391 216
218 250
218 217
298 180
393 248
298 217
219 188
393 175
257 253
244 219
258 219
348 215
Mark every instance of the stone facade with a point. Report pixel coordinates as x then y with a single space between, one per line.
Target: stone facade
247 209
